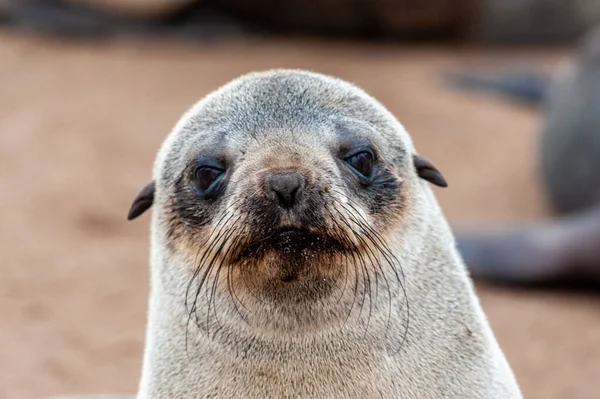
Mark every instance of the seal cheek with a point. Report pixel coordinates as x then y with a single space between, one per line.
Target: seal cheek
387 200
387 193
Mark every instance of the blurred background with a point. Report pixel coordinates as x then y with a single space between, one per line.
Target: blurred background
90 88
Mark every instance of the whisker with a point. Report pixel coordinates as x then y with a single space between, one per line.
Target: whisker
388 255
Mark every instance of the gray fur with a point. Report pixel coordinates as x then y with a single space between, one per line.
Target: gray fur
432 342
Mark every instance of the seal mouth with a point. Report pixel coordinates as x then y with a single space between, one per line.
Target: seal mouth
291 241
290 233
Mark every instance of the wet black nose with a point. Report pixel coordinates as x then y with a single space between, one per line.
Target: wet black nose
287 187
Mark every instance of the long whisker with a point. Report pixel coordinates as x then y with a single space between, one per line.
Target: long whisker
220 232
192 312
209 239
364 269
210 267
393 260
388 255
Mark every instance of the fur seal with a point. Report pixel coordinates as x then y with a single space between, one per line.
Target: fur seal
568 247
297 250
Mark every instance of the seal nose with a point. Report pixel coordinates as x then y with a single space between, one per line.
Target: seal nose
286 186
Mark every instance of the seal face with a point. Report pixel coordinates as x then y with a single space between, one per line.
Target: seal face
283 193
282 210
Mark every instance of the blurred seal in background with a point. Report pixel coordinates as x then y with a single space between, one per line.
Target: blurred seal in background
566 248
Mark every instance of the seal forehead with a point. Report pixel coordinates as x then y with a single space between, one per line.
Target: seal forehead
292 101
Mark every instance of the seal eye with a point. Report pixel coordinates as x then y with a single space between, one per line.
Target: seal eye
362 163
205 177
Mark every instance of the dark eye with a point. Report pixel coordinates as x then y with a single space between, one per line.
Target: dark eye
361 163
205 177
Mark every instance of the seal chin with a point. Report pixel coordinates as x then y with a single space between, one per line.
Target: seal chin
291 258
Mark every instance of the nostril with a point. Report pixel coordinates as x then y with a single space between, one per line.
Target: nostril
286 187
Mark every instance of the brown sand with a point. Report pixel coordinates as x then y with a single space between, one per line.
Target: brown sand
80 126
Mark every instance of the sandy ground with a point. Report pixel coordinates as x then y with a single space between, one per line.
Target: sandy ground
79 128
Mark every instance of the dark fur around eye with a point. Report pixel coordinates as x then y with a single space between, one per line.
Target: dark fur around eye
379 188
384 191
362 164
194 194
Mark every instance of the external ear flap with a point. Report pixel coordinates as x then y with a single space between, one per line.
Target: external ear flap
427 171
142 202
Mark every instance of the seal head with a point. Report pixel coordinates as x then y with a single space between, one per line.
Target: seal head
279 190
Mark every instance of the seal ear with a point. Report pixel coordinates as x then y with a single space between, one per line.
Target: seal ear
142 202
427 171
